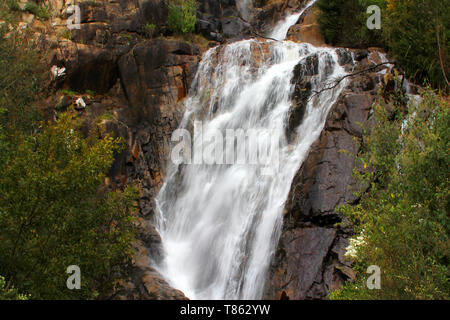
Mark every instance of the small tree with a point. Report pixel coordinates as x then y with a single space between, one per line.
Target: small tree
182 16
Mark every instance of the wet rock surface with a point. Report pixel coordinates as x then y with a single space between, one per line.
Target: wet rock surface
221 19
310 258
267 13
307 28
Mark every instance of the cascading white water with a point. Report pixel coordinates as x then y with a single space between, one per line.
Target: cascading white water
220 224
244 7
281 29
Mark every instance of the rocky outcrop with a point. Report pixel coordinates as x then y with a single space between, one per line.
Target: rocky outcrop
155 76
267 13
307 29
303 72
157 73
133 88
310 258
221 19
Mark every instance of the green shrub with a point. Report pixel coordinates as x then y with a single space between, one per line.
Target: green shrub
182 16
20 82
55 213
66 34
13 5
42 12
32 7
412 31
343 22
402 223
149 29
10 293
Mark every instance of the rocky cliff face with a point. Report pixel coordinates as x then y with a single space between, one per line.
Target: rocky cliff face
134 87
310 257
307 29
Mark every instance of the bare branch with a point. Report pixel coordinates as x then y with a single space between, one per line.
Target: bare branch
440 55
337 82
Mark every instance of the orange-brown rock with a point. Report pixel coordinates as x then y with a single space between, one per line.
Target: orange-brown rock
307 29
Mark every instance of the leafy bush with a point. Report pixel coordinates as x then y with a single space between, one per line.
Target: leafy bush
182 16
66 34
415 32
402 223
54 213
412 29
343 22
10 293
40 11
43 13
20 82
13 5
150 29
32 7
54 208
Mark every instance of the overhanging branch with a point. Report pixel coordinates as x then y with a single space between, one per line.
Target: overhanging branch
337 82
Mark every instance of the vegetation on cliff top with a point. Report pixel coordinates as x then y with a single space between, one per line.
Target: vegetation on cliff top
415 32
182 16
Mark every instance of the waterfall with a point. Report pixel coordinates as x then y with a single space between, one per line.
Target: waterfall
220 223
281 29
244 7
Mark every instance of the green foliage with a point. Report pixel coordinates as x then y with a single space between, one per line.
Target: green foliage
11 293
68 92
20 82
90 92
412 29
182 16
54 208
416 33
150 29
402 223
32 7
43 13
40 11
343 22
54 213
67 34
13 5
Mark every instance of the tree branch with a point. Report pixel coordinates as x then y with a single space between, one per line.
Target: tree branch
264 37
440 55
348 76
